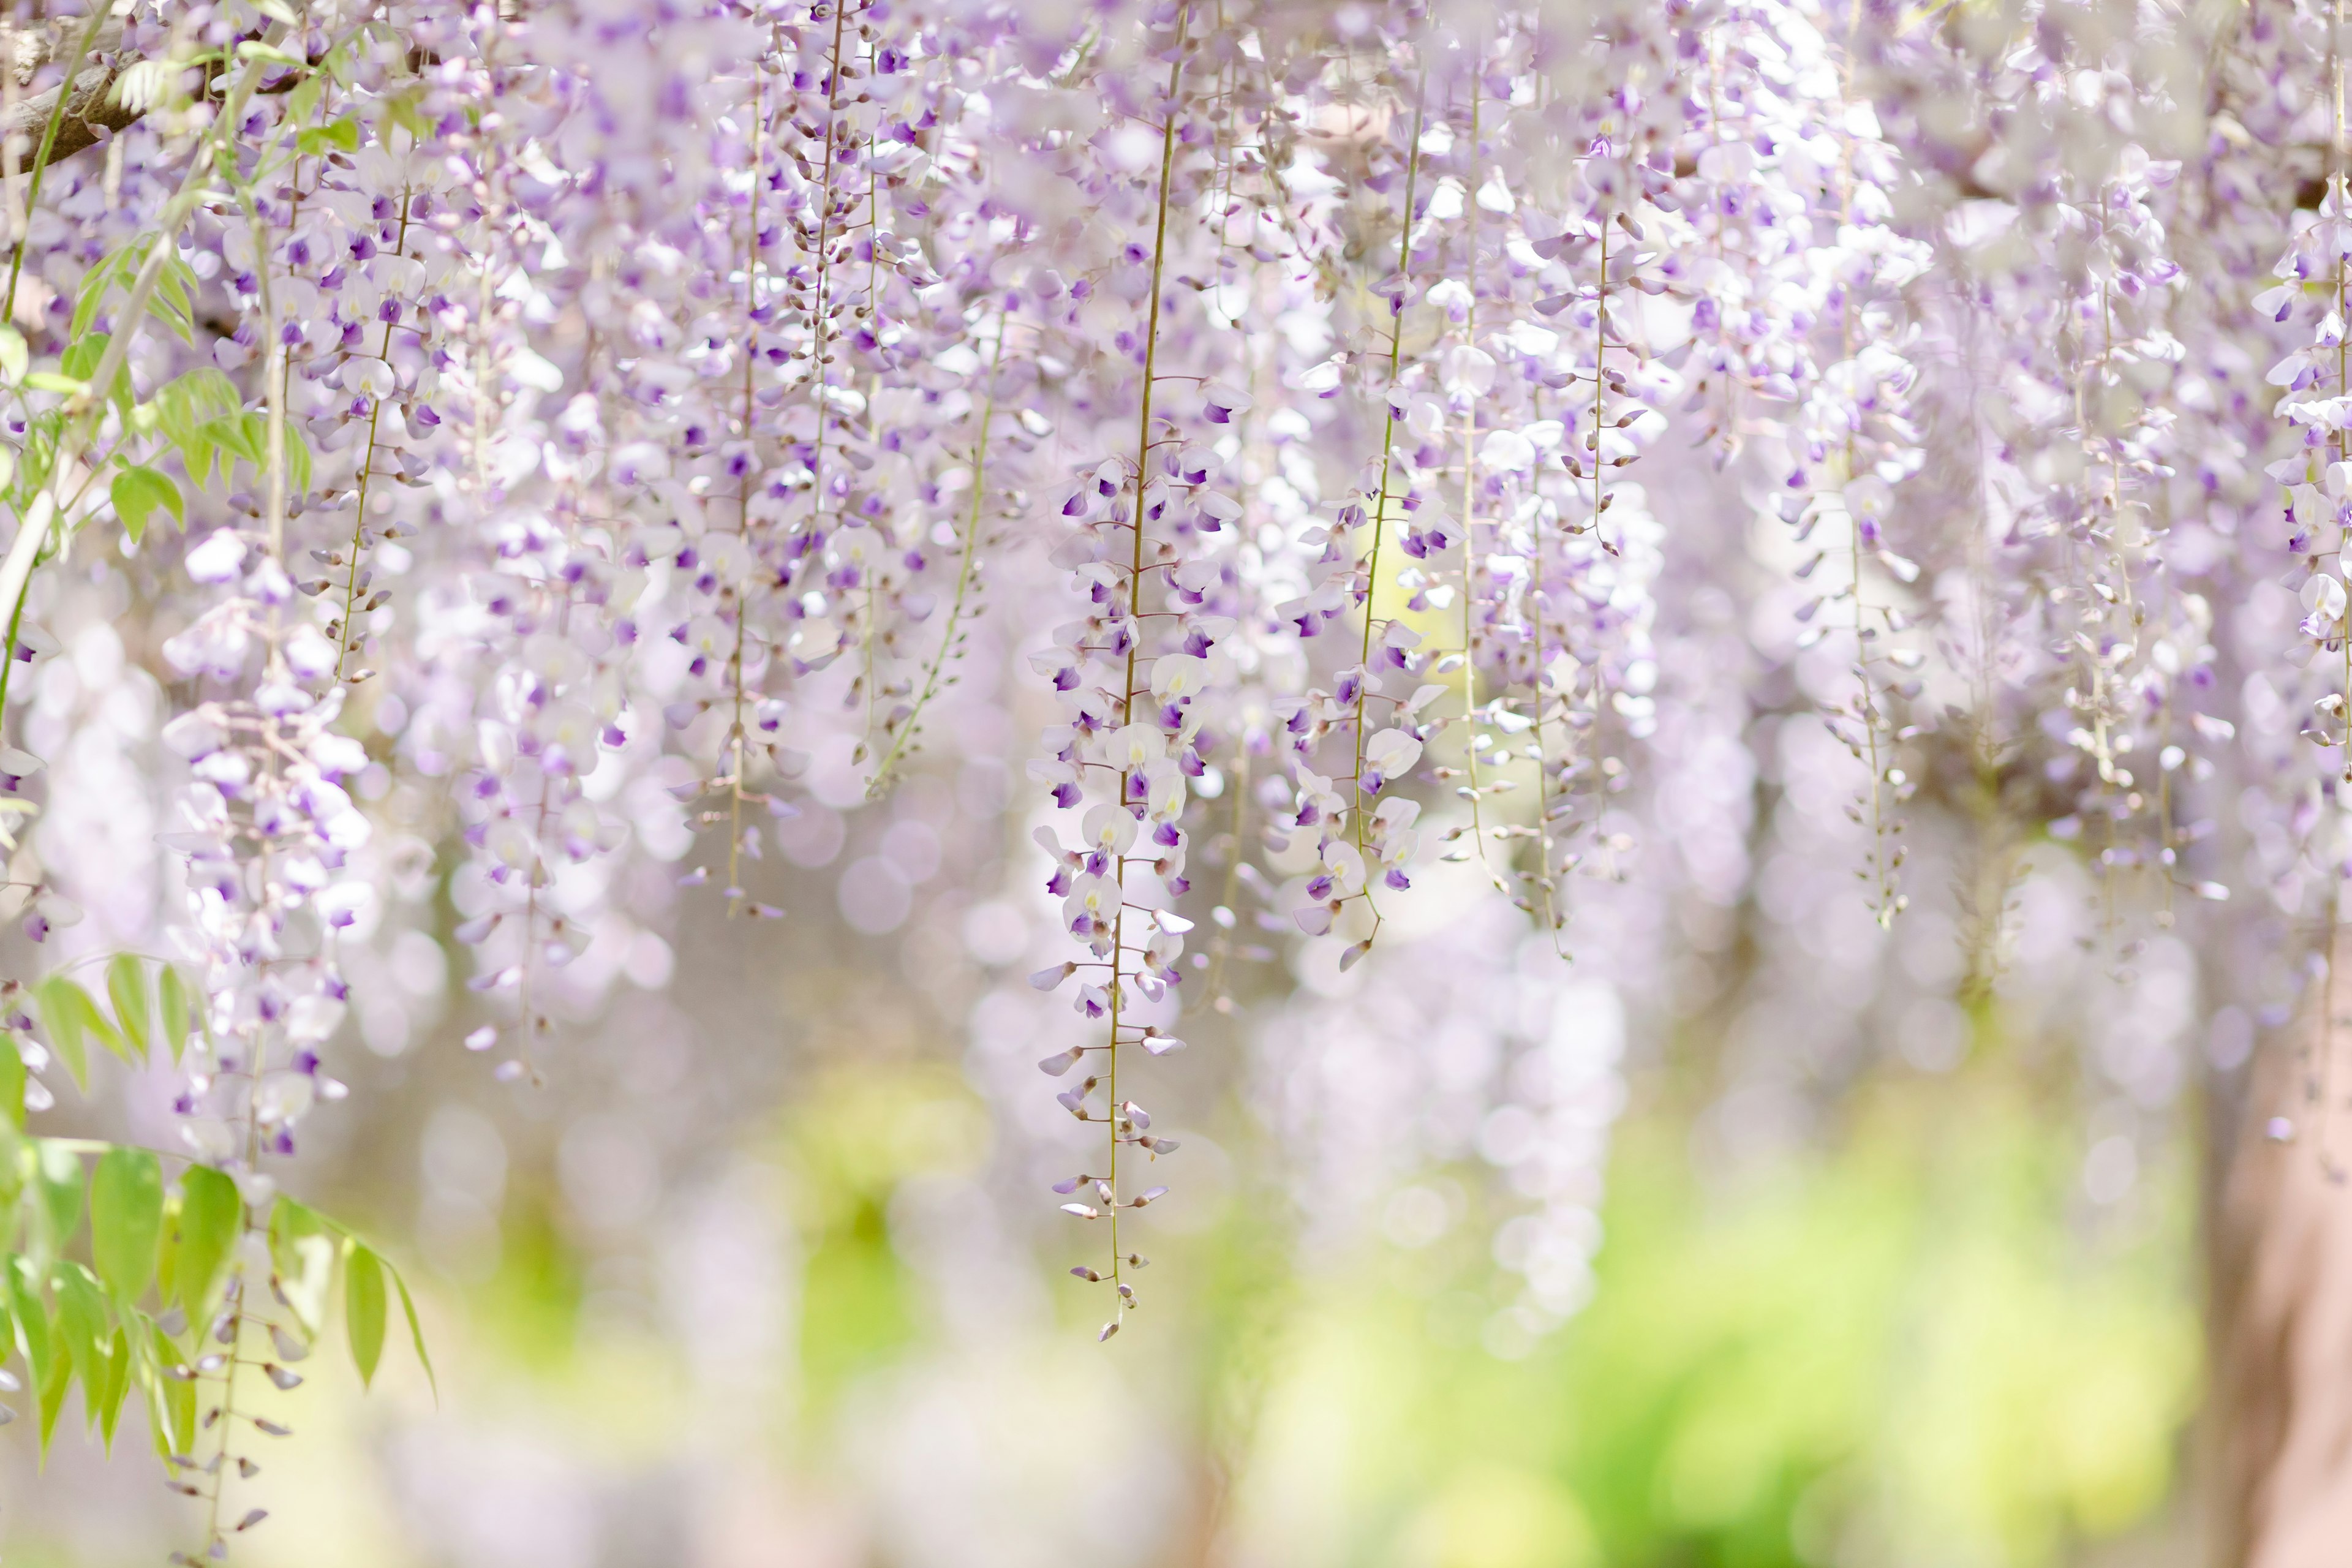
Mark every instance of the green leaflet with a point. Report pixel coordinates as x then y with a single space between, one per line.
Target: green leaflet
211 1213
363 1340
342 135
169 303
32 1317
73 1020
36 457
301 105
404 109
172 1402
65 1024
12 1086
363 1310
17 1160
82 1327
82 1322
54 1380
44 1357
126 981
137 493
126 1220
233 435
270 54
415 1332
96 284
244 437
184 406
172 1009
81 361
298 462
302 1242
119 270
106 1399
57 1172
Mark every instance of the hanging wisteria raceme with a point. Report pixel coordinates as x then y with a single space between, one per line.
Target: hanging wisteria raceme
1468 489
1148 518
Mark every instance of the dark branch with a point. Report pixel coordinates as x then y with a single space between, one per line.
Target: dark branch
92 113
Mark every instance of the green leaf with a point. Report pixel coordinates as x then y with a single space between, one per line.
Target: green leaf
12 1083
211 1214
126 1220
363 1310
14 356
167 1251
31 1314
302 103
44 1357
55 1379
108 1399
126 976
198 394
200 458
415 1332
67 1009
184 404
403 111
81 363
17 1160
168 305
64 1019
58 1174
268 54
48 381
81 356
172 1009
170 301
82 1327
232 435
96 283
173 1400
304 1249
342 136
298 463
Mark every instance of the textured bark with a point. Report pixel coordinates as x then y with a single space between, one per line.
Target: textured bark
2282 1304
92 114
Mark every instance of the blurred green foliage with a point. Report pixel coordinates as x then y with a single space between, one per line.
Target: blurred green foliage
1917 1347
847 1146
1912 1343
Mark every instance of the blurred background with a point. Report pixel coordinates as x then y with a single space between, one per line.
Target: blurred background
1753 1259
1758 1235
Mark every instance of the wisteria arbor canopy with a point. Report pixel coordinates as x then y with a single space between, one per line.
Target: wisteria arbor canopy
1477 492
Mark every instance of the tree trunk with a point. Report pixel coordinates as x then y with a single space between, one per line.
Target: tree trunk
2281 1259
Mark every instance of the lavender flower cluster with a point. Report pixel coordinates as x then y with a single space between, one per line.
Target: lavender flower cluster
611 432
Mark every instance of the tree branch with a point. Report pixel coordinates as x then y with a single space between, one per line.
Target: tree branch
92 113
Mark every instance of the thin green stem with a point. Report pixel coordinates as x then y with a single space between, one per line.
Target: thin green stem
933 674
367 473
1470 514
1135 612
87 37
1388 468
